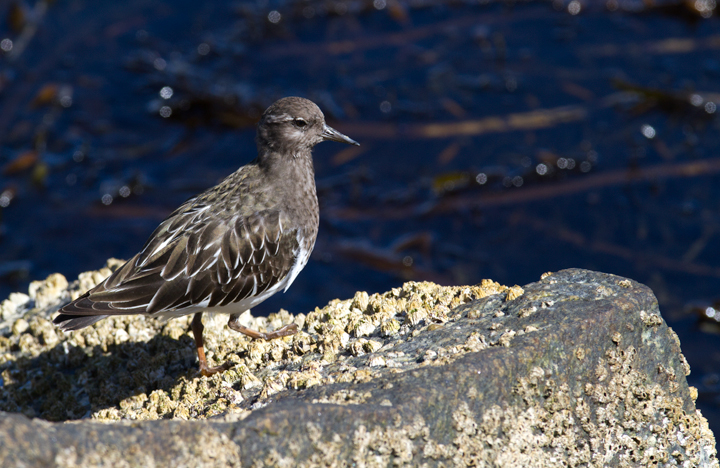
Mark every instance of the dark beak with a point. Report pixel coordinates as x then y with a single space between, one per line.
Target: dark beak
330 133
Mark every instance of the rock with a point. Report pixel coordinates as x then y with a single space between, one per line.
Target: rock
10 306
578 369
20 326
48 292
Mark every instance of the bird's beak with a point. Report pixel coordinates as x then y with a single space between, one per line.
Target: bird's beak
330 133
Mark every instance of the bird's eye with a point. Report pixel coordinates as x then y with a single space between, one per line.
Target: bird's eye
300 123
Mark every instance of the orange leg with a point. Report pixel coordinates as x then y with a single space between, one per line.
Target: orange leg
233 323
197 329
287 330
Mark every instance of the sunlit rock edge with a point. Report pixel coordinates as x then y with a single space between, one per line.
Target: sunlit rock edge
631 404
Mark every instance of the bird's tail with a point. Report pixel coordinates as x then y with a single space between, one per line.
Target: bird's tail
68 322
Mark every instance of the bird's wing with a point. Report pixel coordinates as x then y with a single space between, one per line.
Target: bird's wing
195 260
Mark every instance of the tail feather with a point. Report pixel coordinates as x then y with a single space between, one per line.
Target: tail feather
70 322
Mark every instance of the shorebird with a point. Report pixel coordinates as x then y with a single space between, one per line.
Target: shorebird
231 247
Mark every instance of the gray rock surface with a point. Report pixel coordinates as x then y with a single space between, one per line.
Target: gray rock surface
578 369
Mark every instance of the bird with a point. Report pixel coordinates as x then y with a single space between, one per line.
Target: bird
231 247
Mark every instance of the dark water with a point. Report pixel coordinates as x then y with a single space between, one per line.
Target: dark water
498 141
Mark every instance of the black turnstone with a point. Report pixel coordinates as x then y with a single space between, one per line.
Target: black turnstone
231 247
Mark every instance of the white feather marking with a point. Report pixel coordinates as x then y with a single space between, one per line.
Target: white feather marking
214 241
233 308
204 303
229 276
180 272
233 238
279 118
225 262
118 307
196 210
152 301
237 273
200 209
204 267
209 265
157 249
301 258
255 284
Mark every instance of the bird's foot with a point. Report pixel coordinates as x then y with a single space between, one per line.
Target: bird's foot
197 329
287 330
207 371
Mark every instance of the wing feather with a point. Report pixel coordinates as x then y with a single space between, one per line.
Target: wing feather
176 262
199 289
167 296
184 264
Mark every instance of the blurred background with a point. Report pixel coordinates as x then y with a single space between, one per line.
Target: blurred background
499 140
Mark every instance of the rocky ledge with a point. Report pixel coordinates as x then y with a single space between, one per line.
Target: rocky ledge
577 369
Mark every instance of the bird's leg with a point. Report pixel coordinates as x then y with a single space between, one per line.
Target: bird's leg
197 329
287 330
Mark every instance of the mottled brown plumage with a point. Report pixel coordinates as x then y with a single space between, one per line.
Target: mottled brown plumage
231 247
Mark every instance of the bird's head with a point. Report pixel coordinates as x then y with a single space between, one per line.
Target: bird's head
294 125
